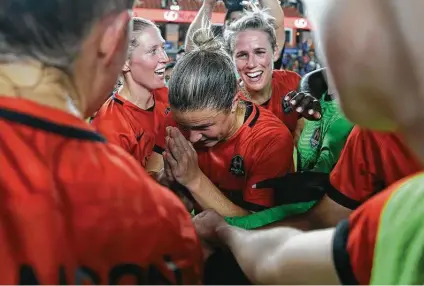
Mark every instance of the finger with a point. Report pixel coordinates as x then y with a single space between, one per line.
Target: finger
290 95
305 104
297 99
180 140
315 109
173 164
184 146
175 151
167 167
317 115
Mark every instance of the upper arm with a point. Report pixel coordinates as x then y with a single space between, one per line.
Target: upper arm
298 261
276 11
355 176
273 159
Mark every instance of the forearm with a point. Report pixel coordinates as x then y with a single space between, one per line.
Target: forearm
257 251
210 197
204 14
275 10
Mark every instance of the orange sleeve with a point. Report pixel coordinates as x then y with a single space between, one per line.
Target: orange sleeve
135 231
355 177
273 159
115 130
355 239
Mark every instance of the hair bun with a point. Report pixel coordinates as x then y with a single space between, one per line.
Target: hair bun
204 39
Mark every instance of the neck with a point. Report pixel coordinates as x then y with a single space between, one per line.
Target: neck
261 96
238 119
137 94
44 85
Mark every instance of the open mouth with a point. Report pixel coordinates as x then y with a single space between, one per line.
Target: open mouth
254 75
160 72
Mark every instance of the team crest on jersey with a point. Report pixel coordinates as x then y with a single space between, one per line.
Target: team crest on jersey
315 138
287 107
237 166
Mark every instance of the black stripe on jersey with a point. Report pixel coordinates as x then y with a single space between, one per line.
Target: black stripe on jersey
341 255
253 122
117 100
249 110
158 149
45 125
341 199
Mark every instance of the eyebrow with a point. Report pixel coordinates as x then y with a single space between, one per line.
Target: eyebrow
197 127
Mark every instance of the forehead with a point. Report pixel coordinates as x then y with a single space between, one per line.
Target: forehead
198 117
149 37
251 39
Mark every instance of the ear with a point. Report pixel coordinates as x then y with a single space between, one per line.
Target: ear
276 52
126 67
115 38
235 103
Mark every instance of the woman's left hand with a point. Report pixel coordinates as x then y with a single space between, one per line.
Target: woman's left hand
182 159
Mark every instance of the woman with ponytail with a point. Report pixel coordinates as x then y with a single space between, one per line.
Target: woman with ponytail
223 145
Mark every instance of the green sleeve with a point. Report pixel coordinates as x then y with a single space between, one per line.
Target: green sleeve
399 249
333 143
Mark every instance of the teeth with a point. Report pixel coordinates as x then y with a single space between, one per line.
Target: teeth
255 74
160 71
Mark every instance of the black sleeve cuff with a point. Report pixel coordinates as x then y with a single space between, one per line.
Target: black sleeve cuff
341 199
158 149
341 255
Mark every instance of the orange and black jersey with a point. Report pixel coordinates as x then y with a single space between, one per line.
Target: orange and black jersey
369 162
261 149
381 242
139 132
76 209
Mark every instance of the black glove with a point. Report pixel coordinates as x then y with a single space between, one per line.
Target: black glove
297 187
314 83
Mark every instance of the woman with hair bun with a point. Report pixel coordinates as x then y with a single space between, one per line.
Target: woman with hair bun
252 43
223 145
134 117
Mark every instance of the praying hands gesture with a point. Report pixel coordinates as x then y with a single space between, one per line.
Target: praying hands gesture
181 159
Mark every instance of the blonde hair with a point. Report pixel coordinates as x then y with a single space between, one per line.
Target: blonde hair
137 27
254 19
205 77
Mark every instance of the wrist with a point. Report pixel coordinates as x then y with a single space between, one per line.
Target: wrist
209 6
223 232
195 184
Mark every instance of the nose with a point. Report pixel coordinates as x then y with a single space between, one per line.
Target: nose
163 56
251 62
194 136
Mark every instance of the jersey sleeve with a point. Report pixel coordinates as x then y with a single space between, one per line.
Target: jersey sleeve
134 231
355 177
355 240
275 159
114 131
332 145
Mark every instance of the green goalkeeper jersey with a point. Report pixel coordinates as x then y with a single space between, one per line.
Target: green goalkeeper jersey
321 142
